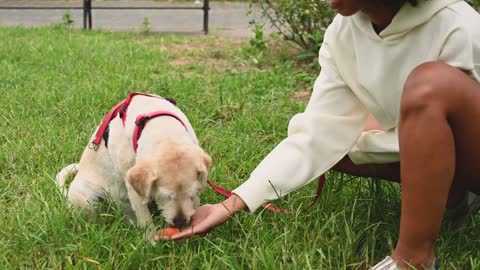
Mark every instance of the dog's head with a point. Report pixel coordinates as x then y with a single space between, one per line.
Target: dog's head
173 179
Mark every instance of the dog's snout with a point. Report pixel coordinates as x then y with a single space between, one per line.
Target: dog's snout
179 221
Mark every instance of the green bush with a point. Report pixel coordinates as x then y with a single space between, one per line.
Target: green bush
301 21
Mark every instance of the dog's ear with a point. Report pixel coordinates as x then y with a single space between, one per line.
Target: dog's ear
142 178
204 167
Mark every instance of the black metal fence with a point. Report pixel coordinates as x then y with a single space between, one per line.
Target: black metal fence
88 7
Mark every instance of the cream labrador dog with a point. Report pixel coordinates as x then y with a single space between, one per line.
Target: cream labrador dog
148 153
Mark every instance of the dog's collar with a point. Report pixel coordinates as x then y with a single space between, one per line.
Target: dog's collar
121 110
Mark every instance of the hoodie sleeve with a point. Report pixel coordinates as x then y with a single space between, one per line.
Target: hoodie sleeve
459 51
317 139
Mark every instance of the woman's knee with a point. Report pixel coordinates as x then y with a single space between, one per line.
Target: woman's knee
426 88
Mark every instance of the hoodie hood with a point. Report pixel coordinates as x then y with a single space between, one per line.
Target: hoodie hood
407 18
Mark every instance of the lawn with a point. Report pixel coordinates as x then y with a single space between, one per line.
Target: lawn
57 84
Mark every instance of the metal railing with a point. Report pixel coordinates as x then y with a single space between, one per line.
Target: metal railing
88 7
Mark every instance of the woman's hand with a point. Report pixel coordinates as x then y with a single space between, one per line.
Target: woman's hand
209 216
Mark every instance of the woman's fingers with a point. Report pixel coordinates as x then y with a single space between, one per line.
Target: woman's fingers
201 214
199 226
189 233
205 219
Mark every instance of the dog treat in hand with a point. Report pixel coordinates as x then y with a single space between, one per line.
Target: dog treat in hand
166 232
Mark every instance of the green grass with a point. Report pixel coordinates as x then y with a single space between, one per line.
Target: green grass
55 87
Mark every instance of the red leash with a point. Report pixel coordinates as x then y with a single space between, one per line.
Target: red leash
227 193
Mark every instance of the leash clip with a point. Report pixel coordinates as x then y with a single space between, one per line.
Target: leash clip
93 146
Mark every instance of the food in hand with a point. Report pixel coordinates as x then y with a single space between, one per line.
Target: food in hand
167 232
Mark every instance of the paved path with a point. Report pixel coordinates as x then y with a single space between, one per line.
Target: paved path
226 19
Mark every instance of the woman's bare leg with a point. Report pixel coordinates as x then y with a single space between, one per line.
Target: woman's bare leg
391 172
439 139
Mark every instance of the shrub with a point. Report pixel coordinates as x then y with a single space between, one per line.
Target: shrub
67 20
301 21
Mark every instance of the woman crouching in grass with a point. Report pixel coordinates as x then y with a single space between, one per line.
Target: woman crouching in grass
415 67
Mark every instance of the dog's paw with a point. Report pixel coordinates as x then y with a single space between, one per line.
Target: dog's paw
153 242
150 236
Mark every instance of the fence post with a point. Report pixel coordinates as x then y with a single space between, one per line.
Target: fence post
206 8
87 14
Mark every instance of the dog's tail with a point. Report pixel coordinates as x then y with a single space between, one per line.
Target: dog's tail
63 174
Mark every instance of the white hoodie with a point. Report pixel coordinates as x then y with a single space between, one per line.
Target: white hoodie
364 72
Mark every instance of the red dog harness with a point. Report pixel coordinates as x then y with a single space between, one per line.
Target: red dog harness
141 120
